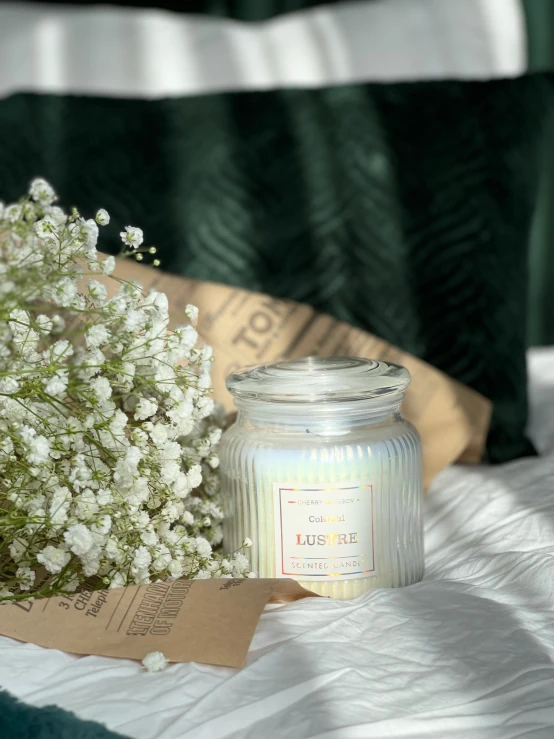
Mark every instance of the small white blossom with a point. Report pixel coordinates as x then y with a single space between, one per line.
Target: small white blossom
102 217
203 547
86 505
57 385
240 563
26 577
191 311
57 215
46 228
79 539
42 191
118 580
12 213
150 538
175 569
58 324
170 472
142 558
90 232
187 518
132 237
53 558
59 506
64 292
145 409
247 543
134 320
58 352
97 291
101 388
108 265
159 433
9 385
194 476
97 336
44 324
39 449
155 662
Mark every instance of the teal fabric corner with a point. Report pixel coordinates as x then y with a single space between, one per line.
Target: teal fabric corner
21 721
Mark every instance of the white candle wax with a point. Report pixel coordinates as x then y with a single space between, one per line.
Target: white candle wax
329 491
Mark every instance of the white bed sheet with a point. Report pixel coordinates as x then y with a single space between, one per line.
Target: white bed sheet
466 653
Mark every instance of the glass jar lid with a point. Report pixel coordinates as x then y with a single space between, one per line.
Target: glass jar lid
319 379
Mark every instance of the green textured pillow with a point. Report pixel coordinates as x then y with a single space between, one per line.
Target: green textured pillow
403 209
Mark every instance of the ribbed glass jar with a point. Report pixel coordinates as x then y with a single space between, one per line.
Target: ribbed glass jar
323 473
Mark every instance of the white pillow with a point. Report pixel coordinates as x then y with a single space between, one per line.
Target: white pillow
150 53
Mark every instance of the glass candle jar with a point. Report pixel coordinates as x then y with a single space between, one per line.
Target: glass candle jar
324 474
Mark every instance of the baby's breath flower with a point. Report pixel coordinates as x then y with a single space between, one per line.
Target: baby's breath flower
191 311
79 539
108 265
44 324
101 388
46 228
57 352
9 385
97 397
57 385
132 236
102 217
13 213
57 215
58 324
89 230
53 558
145 409
42 191
39 450
97 335
97 291
26 577
155 662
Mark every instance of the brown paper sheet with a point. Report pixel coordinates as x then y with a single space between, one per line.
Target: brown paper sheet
246 328
209 621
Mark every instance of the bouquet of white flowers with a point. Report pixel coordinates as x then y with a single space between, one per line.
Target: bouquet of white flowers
107 431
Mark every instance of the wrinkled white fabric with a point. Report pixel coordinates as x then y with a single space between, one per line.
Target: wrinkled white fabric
146 53
467 653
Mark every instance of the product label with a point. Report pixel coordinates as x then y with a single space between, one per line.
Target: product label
324 531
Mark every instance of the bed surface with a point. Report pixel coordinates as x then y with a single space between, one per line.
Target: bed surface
466 653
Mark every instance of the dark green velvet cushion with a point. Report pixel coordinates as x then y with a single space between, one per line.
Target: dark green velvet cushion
403 209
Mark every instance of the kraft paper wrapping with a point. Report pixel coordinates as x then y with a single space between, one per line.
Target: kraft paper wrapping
246 328
209 621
